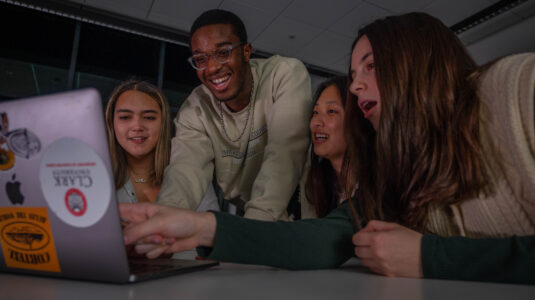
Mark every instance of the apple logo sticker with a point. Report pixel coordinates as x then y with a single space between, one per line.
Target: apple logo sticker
13 191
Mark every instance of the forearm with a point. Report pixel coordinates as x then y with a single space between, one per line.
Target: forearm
306 244
501 260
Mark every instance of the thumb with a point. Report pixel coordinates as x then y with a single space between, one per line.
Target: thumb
376 225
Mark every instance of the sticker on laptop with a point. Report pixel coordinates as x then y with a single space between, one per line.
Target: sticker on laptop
20 142
26 239
75 182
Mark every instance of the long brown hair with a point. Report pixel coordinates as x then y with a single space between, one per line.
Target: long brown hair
322 185
427 148
162 151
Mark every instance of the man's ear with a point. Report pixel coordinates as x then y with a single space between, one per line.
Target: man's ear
247 50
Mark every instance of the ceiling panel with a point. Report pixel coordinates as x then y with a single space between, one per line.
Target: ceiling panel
315 31
452 11
342 65
132 8
275 6
285 36
256 20
525 10
327 49
491 26
317 13
397 6
179 14
363 14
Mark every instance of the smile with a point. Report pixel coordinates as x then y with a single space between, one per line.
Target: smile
220 83
137 140
320 137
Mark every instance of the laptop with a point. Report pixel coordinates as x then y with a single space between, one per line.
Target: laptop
58 211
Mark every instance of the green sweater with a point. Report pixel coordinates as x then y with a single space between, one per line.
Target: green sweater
326 243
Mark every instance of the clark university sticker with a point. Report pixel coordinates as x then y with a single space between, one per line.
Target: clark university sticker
75 182
26 238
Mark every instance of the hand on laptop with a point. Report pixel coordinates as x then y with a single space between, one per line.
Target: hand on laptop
158 229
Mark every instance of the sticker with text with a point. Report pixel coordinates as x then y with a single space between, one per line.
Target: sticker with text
26 239
75 182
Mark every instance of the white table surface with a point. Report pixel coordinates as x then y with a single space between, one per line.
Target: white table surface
234 281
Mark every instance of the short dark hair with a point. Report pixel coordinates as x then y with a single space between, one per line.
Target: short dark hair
219 16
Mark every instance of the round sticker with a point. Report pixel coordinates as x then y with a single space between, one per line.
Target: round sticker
75 182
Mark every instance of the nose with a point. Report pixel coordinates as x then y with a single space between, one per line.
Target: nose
137 124
316 121
213 65
357 86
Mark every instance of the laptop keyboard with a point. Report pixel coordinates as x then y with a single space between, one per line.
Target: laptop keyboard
143 265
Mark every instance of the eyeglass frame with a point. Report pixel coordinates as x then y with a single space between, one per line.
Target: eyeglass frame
213 55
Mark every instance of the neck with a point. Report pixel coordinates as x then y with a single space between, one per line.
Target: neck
141 166
244 97
336 163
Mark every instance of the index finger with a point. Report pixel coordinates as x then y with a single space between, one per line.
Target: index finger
136 231
135 212
362 238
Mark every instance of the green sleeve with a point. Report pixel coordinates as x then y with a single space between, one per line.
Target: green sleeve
499 259
305 244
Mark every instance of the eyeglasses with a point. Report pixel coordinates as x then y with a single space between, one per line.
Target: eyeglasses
199 61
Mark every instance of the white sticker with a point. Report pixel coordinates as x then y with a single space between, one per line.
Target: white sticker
75 182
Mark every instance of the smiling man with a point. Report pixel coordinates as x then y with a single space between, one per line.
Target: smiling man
247 124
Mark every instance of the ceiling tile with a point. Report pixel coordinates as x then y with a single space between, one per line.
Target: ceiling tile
273 5
362 15
317 13
132 8
255 20
179 14
286 37
326 49
398 7
489 27
453 11
517 38
342 65
525 10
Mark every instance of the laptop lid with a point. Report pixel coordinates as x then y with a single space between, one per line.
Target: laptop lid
58 212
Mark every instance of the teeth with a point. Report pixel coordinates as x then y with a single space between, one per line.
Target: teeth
320 136
367 105
220 80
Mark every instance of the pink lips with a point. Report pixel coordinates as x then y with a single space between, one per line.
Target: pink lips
137 140
367 107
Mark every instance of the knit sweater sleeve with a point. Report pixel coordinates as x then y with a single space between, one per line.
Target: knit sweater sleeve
288 140
191 166
305 244
500 259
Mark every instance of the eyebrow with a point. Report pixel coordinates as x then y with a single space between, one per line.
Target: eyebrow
218 45
125 110
366 56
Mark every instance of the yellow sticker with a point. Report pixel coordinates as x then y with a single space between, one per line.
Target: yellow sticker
26 239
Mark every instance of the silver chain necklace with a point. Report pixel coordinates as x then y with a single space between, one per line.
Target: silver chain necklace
251 106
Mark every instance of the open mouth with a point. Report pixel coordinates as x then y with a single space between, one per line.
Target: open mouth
367 107
220 83
320 137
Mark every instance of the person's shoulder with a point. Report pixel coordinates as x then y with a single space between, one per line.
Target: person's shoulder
277 62
199 98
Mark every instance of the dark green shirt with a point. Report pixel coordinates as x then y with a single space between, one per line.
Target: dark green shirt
326 243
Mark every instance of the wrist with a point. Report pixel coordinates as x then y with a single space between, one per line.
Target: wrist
207 229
